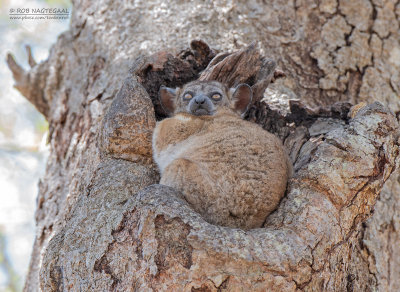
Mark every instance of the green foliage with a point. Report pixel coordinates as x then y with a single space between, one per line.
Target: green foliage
58 3
41 125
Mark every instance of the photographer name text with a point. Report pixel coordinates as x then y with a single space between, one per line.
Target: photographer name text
18 11
39 13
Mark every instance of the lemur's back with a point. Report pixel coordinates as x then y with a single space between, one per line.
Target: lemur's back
229 170
229 145
240 165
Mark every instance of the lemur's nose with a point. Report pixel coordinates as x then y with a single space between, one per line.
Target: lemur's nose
200 99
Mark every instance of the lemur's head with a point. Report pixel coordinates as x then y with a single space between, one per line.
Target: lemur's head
202 98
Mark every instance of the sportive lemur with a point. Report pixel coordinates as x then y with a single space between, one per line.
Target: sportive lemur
229 170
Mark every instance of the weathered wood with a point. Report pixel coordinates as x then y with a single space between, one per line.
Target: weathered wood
172 70
201 62
31 83
103 235
162 244
152 239
243 66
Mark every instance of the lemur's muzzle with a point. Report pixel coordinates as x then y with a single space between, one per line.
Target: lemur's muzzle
201 105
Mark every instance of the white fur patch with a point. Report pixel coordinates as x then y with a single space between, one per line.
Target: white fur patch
183 118
166 156
169 154
173 151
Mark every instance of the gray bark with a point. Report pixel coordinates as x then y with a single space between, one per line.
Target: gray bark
101 226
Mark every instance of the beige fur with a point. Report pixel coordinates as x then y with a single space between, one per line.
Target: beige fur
229 170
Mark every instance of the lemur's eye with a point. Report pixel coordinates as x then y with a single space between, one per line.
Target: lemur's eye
187 95
216 96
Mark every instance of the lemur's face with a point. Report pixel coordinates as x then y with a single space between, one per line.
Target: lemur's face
202 98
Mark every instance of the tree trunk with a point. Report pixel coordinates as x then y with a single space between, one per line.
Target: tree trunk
104 224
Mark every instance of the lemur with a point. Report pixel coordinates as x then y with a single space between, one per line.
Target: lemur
229 170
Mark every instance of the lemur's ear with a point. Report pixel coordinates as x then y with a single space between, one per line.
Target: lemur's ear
167 96
241 97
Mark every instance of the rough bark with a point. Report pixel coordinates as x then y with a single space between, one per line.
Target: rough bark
107 228
152 240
